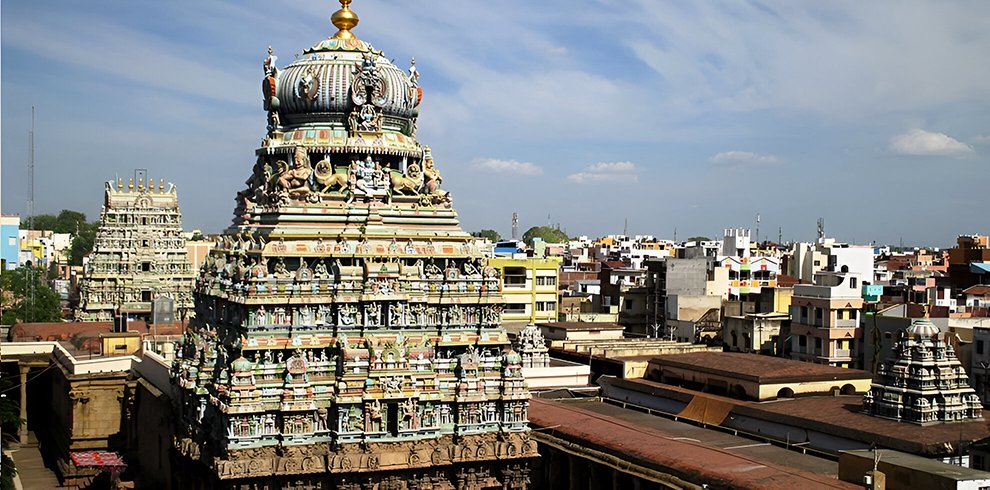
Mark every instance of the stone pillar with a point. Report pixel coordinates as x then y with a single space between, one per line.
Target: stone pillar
24 380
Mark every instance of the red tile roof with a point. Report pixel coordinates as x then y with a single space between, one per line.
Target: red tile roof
686 459
755 367
978 290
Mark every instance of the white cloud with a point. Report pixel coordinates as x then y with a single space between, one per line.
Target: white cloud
926 143
744 158
606 172
981 139
494 165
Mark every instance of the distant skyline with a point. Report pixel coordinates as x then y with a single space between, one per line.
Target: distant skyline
694 116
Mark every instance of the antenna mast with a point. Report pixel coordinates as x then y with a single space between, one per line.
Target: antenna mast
29 314
515 226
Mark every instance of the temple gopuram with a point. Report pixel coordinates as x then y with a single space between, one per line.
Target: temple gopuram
348 331
139 254
923 382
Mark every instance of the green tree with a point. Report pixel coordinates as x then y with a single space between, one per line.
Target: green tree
67 221
11 423
40 222
492 235
17 307
699 239
549 234
82 242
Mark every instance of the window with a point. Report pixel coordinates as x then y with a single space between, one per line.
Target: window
515 277
818 263
515 308
852 282
629 304
804 312
818 314
546 306
818 343
546 281
803 340
979 347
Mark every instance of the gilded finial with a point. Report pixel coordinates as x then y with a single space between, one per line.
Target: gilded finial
130 185
344 19
161 185
120 183
141 184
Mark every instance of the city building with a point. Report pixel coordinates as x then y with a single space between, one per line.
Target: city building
968 262
529 288
348 331
748 273
754 332
825 320
923 383
680 296
9 247
139 255
807 259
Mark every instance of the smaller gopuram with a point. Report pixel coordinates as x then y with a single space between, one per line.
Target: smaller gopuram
138 254
922 382
532 347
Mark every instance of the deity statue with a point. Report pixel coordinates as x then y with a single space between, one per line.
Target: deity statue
430 173
320 270
295 180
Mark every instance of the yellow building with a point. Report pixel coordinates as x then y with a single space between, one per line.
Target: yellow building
529 287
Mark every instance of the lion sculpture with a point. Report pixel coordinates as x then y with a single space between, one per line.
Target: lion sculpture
407 184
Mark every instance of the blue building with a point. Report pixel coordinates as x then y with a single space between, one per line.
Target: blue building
9 248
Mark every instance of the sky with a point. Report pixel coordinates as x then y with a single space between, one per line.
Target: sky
651 116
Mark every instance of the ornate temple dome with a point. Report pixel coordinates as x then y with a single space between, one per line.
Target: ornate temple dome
923 329
331 82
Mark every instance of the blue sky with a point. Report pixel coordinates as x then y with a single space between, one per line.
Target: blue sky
692 116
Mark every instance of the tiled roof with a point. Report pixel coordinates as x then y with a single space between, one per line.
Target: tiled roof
763 369
687 459
843 417
978 290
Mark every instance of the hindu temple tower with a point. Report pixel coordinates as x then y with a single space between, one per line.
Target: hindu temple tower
139 254
347 330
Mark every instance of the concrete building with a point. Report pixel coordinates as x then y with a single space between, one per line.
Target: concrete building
969 249
9 247
755 332
682 294
979 370
825 320
807 259
529 287
749 273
